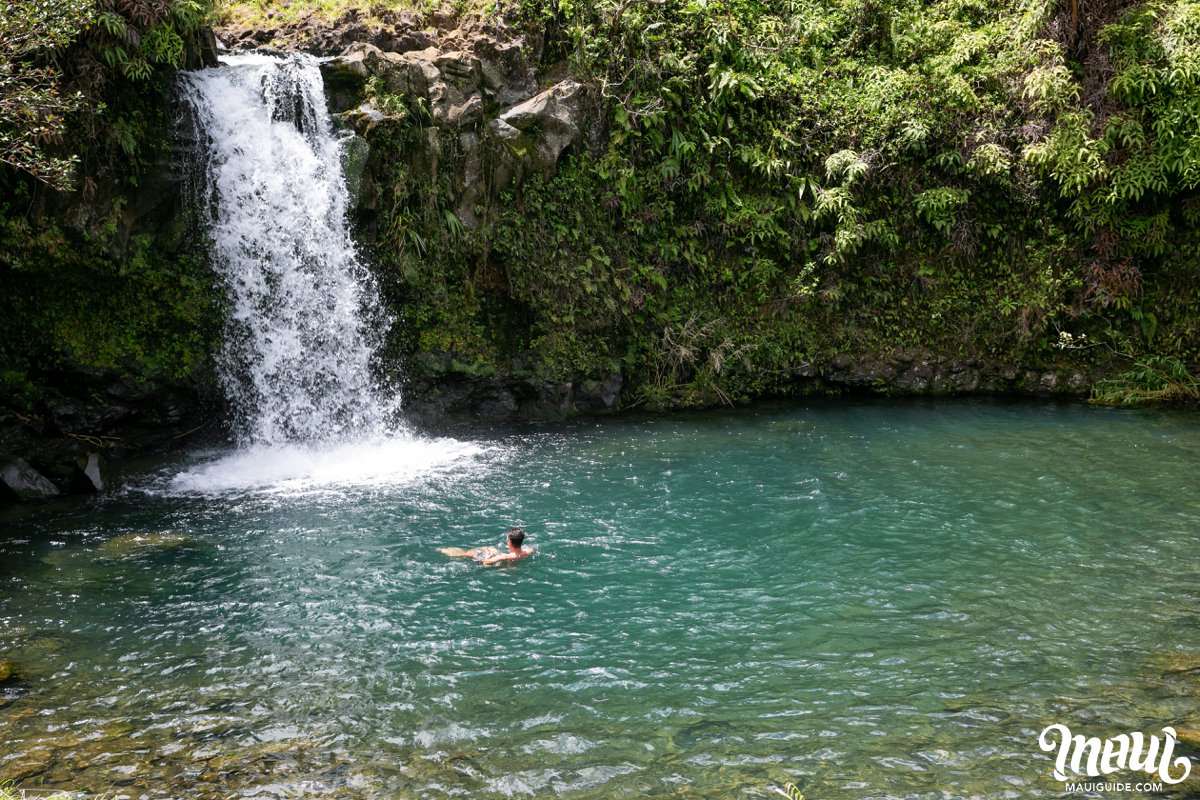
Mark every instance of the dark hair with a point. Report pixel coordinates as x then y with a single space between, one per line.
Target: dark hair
516 536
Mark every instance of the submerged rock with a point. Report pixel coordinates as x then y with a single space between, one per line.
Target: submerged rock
8 670
131 543
20 481
1174 663
1189 739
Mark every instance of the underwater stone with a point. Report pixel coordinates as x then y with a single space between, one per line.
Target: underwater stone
129 543
1188 739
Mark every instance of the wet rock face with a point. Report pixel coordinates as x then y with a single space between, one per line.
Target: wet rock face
91 474
69 440
485 120
920 373
507 399
536 132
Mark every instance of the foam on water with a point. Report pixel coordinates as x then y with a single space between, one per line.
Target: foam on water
303 469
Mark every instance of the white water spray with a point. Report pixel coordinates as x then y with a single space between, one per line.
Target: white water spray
304 324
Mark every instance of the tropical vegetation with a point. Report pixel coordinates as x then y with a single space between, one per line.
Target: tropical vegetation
782 182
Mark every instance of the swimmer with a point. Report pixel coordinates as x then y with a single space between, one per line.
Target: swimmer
491 556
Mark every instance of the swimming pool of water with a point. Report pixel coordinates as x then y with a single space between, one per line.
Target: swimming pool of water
867 599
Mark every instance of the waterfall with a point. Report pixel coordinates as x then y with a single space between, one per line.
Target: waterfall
304 324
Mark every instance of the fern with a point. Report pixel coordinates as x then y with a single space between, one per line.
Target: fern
1154 379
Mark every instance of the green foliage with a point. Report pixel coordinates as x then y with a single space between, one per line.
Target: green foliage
136 36
34 107
378 95
1108 160
1153 379
85 92
768 185
70 307
59 60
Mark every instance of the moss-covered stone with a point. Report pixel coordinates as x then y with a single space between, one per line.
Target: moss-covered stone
135 543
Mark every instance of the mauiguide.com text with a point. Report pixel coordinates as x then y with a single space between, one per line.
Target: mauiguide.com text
1114 787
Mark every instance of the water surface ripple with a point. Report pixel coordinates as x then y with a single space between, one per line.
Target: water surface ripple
871 600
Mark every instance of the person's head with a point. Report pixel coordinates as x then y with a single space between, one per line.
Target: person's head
516 537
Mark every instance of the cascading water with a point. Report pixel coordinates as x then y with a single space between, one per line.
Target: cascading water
304 324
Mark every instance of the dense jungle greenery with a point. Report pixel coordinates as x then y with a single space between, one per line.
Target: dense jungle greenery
97 276
781 182
767 185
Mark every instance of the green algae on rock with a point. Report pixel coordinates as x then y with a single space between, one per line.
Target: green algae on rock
135 543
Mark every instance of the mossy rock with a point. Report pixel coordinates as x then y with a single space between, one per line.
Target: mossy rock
1174 663
8 670
137 543
1189 739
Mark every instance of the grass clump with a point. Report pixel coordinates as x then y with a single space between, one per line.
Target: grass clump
1152 380
246 14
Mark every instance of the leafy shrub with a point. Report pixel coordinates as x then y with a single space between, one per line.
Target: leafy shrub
1153 379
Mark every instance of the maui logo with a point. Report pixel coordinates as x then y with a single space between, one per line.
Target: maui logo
1093 757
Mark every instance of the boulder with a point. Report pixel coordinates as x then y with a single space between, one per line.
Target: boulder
353 60
401 41
599 395
475 93
467 113
447 82
469 183
531 136
91 474
409 73
551 120
20 481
